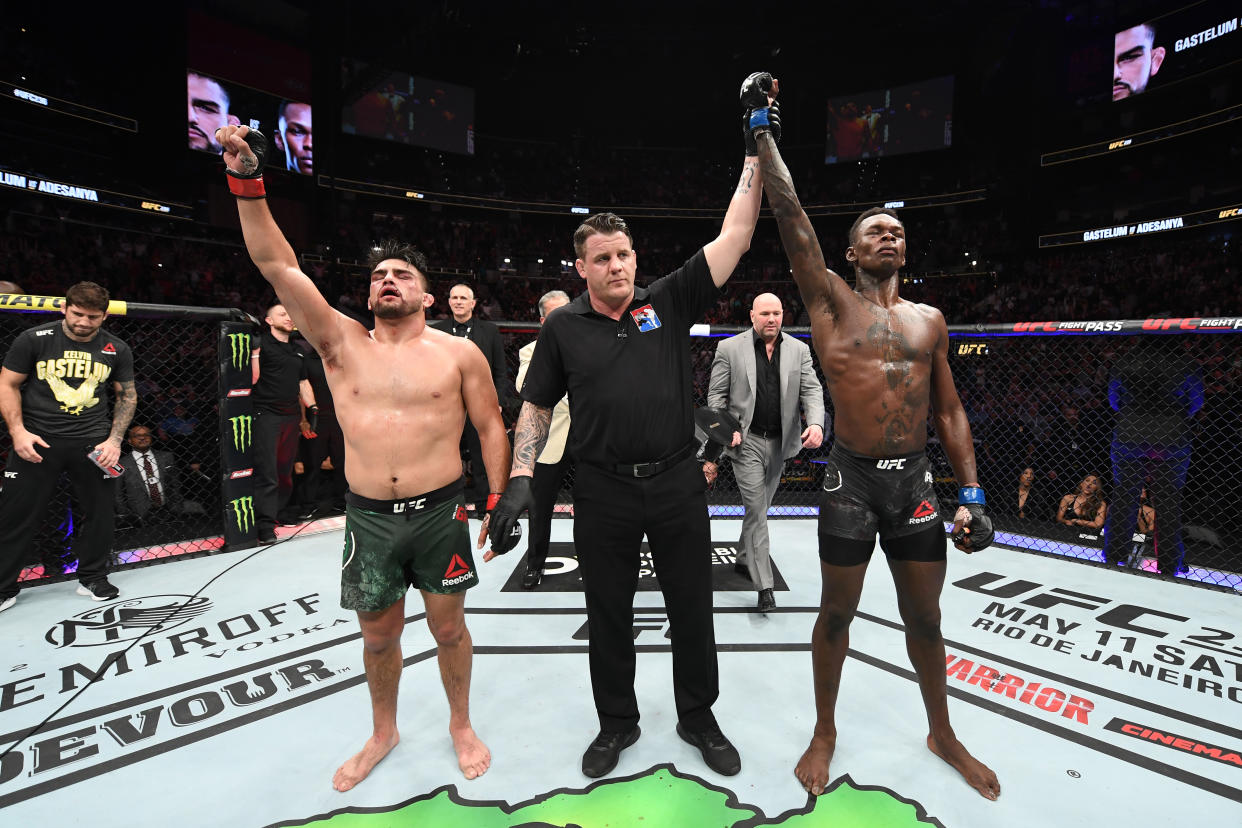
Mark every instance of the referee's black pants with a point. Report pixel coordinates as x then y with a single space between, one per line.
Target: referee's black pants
611 515
275 450
23 505
543 488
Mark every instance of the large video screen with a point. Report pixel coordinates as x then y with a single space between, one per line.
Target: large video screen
1174 46
913 118
397 106
235 76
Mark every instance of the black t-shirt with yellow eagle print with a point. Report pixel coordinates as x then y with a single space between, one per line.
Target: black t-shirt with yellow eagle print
65 393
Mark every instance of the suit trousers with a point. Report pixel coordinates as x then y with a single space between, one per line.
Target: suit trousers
324 488
1162 470
275 450
23 505
612 513
544 487
757 469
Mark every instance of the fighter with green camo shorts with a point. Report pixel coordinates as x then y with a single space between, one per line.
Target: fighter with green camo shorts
391 545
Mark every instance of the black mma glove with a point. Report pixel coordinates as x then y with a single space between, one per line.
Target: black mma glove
763 119
757 88
312 420
754 96
503 510
250 184
977 533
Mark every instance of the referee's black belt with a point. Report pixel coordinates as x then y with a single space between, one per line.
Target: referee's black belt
658 466
767 435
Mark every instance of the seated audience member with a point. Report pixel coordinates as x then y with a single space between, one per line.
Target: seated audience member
1084 507
1030 501
1143 542
150 488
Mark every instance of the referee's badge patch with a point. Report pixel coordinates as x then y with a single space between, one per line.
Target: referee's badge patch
646 319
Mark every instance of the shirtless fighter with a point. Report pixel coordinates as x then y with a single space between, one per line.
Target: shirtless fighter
885 360
402 395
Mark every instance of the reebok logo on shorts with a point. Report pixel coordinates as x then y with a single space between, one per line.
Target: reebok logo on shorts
457 572
461 514
923 513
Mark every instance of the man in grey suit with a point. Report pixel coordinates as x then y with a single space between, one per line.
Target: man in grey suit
760 376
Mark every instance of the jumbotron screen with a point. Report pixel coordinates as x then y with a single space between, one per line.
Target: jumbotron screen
1162 50
235 76
911 118
397 106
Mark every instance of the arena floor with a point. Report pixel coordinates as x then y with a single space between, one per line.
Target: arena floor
237 711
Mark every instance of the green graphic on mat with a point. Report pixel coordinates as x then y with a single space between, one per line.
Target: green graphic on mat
660 797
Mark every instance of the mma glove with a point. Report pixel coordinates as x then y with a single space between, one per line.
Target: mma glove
977 533
312 421
250 184
762 119
756 90
503 510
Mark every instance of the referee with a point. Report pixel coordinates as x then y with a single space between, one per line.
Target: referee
623 355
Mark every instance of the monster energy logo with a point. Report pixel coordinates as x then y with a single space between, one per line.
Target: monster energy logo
241 432
240 345
243 513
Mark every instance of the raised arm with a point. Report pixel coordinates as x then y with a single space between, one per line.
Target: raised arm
820 288
319 323
725 251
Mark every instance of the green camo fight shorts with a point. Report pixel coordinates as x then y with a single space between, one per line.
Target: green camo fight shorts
385 554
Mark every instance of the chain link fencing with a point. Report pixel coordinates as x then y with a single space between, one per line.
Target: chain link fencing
1166 459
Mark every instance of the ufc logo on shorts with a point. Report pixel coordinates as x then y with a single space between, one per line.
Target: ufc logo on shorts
10 475
891 464
413 506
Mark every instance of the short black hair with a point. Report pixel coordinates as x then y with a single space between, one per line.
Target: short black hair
393 249
606 223
866 214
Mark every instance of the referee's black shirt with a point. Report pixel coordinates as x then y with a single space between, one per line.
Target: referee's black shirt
629 381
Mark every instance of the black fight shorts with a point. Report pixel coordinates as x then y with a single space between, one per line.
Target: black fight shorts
865 496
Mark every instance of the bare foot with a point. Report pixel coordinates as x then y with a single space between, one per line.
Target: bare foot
812 768
978 775
473 757
360 764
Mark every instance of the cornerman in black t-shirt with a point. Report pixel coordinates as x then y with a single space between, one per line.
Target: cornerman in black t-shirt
623 355
52 391
281 388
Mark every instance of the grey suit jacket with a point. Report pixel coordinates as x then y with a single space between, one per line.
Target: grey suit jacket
733 386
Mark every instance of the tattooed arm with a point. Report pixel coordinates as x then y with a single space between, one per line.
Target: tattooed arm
819 286
530 435
725 251
122 415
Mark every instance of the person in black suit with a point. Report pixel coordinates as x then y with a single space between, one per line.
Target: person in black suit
149 492
487 336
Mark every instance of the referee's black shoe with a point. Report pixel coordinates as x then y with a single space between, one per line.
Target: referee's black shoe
718 752
604 753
